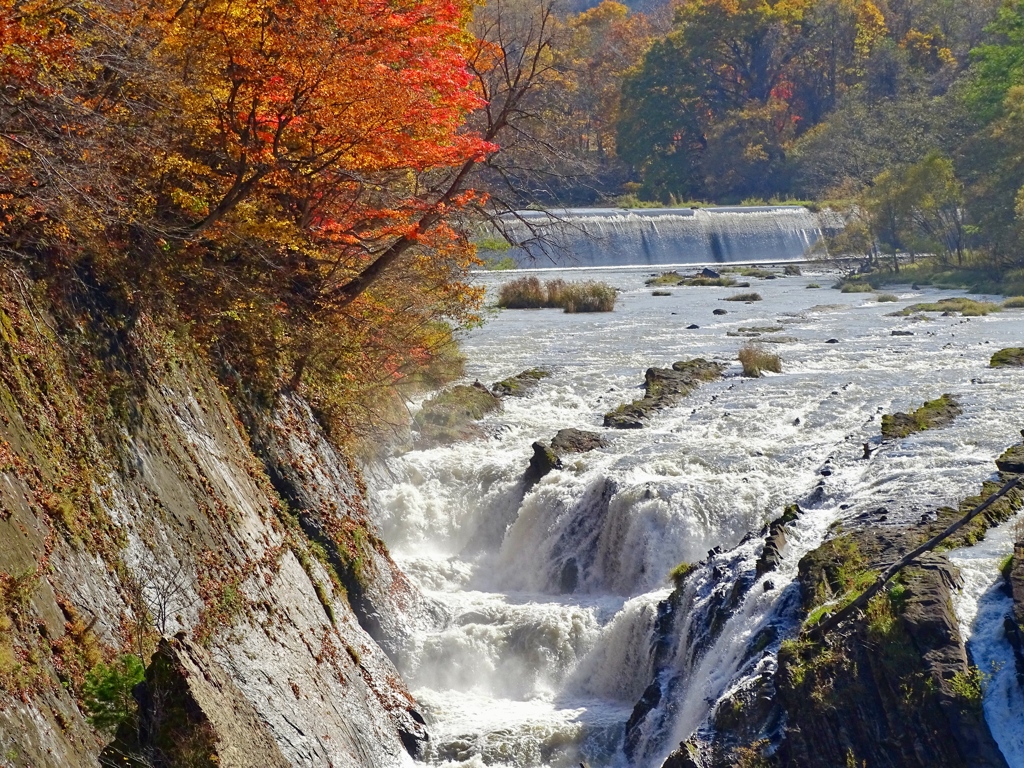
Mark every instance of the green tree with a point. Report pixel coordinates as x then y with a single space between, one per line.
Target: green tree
107 692
934 197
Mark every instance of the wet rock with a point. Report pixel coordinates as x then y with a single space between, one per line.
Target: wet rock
692 327
1012 357
661 293
684 757
775 540
934 414
882 694
1012 460
450 416
832 341
708 272
521 384
576 441
569 577
548 457
720 312
902 333
663 388
650 699
544 460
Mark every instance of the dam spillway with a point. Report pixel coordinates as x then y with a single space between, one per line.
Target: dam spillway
613 237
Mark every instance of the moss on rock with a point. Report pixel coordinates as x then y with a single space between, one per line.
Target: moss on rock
450 415
1011 357
932 415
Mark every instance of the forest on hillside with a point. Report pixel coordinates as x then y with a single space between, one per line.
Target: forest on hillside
907 114
299 186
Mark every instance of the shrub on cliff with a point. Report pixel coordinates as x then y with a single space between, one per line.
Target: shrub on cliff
107 692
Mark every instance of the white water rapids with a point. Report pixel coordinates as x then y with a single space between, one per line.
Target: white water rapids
522 673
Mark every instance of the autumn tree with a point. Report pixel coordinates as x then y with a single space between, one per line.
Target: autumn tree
604 43
719 85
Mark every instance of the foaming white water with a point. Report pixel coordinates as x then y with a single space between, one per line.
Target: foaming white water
981 607
550 597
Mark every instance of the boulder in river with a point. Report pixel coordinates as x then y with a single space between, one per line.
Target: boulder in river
1011 357
449 416
548 457
663 387
576 441
932 415
519 385
544 460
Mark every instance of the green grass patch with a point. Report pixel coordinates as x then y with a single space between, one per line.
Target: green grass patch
680 572
882 298
812 285
1014 302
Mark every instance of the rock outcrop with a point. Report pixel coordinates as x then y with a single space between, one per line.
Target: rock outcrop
934 414
663 387
133 508
548 457
1011 357
192 713
451 415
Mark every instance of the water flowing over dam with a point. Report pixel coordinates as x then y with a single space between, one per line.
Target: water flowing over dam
608 237
523 667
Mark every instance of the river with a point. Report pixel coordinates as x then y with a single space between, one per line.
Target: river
523 673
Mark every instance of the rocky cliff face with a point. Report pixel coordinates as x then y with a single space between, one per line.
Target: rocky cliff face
135 507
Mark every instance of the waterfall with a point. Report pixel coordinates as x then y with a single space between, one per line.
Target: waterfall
607 237
556 640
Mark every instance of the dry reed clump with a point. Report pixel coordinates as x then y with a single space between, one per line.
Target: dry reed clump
530 293
885 297
743 297
590 296
1014 302
756 361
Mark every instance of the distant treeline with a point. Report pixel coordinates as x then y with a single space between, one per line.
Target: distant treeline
911 112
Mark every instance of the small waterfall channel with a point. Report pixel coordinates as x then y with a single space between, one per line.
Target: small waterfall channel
524 667
607 237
